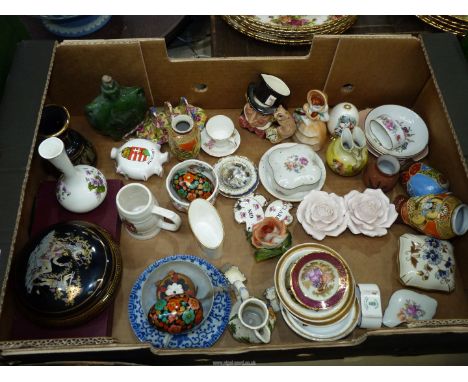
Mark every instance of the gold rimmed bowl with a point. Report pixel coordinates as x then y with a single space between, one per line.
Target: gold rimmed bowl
315 284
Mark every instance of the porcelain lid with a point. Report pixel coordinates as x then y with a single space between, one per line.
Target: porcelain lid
319 280
68 271
294 166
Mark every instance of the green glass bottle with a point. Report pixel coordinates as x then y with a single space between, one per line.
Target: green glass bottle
118 109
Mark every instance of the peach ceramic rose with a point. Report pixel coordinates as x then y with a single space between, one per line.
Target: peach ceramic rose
270 237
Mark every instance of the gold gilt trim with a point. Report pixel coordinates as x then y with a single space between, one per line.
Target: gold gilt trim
439 323
65 125
270 38
445 25
270 27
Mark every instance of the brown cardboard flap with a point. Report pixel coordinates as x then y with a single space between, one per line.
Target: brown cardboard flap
79 66
381 70
227 78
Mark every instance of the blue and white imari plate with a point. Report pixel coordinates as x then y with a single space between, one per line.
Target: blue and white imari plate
209 330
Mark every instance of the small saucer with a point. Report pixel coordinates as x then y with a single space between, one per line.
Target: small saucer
210 147
237 175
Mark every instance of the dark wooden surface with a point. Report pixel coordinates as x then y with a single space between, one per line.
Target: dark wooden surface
228 42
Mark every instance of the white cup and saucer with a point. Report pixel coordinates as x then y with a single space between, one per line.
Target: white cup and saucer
220 138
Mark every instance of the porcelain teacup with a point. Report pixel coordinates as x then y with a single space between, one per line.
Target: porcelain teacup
387 131
253 314
141 214
221 130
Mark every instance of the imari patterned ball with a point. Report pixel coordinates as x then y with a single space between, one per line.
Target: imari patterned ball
176 314
190 185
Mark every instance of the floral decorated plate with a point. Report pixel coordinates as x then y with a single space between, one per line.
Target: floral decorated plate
211 286
332 332
214 149
415 129
319 281
237 176
287 298
266 177
295 21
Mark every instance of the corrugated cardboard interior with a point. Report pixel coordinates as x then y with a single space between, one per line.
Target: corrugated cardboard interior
378 70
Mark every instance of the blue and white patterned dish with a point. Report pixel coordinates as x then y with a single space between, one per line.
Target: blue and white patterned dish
74 26
206 334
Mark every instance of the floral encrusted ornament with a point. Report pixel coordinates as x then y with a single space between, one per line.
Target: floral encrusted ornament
270 238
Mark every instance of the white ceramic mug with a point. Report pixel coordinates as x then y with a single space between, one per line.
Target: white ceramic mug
387 131
253 314
141 214
221 130
207 226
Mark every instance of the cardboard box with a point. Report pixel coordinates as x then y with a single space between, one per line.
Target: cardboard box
400 70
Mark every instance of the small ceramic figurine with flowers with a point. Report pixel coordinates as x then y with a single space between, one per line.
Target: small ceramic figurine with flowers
266 230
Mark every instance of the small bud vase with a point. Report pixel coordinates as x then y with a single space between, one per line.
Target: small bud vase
80 188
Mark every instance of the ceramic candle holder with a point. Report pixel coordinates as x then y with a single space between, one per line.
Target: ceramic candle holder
382 173
426 263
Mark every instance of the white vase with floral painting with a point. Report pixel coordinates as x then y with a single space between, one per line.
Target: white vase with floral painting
80 188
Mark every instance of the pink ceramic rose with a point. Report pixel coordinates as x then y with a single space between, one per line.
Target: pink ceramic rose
370 212
269 233
322 214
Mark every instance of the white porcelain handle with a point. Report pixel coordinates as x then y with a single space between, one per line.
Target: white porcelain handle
170 215
263 334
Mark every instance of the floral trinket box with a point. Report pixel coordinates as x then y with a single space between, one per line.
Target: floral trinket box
426 263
